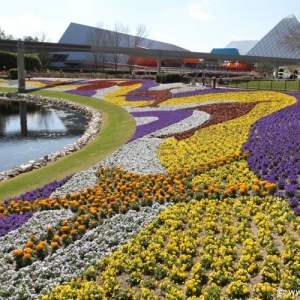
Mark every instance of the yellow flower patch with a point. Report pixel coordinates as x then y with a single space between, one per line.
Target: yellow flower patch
202 247
224 139
119 97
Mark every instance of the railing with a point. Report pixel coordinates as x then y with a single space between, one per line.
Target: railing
260 84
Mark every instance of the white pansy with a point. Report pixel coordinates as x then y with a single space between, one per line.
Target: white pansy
195 120
37 225
101 93
70 262
144 120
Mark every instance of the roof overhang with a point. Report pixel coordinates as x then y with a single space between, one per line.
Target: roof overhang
34 47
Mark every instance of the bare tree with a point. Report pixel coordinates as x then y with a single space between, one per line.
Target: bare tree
96 36
119 36
115 40
44 56
136 40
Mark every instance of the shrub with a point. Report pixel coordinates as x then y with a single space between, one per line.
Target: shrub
167 77
13 73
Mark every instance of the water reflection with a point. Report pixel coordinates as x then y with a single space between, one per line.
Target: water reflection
29 131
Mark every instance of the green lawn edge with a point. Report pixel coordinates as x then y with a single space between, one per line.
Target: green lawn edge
116 128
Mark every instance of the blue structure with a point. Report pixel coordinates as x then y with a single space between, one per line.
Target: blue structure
233 51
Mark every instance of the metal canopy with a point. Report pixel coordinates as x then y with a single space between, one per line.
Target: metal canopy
23 47
33 47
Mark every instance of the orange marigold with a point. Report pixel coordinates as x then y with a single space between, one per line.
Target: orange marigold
54 244
18 252
29 244
27 255
39 246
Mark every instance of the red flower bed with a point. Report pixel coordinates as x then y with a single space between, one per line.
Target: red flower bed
158 96
97 85
130 82
102 84
219 113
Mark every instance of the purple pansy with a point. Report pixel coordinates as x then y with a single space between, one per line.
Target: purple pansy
165 118
146 85
274 147
87 93
13 221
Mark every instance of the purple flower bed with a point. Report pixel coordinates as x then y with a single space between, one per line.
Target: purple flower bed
45 81
203 92
146 85
13 221
39 193
87 93
165 118
274 147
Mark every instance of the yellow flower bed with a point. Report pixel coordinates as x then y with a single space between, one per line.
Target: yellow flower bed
235 172
119 97
197 248
224 139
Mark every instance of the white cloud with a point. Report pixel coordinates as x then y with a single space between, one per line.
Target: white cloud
163 37
199 11
24 25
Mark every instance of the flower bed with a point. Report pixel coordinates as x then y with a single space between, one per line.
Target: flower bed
209 212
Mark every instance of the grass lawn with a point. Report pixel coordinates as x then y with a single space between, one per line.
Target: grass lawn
278 85
116 128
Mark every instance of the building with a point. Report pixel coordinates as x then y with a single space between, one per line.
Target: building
77 34
243 47
273 43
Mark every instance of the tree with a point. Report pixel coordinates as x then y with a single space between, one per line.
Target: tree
136 40
96 36
5 37
115 40
29 38
2 34
263 67
43 56
117 37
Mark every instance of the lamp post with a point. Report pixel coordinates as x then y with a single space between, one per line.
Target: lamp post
226 62
236 65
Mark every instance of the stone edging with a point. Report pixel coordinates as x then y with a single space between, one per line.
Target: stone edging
93 117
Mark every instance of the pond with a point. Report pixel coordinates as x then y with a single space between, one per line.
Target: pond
29 131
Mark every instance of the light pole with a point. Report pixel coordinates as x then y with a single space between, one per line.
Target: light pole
236 65
226 62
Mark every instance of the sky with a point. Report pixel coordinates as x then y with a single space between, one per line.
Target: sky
196 25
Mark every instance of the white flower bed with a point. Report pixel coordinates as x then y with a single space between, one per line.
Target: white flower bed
195 120
103 92
36 225
40 277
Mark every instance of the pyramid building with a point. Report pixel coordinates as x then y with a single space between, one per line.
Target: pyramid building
273 43
242 46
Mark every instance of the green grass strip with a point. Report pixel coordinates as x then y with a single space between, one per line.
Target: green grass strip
280 85
116 128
